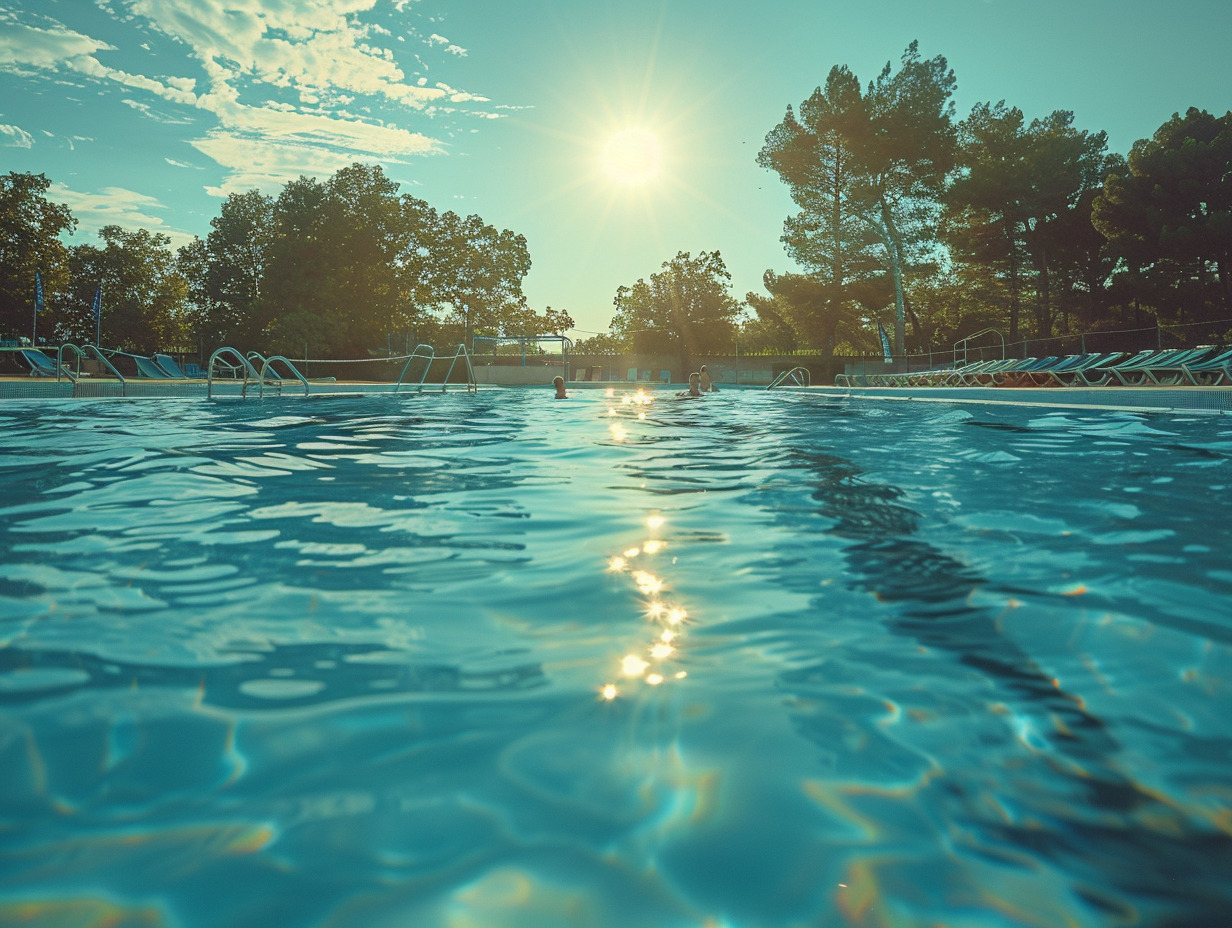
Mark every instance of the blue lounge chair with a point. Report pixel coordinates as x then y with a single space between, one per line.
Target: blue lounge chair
1210 372
1087 364
147 368
1138 373
1170 371
169 367
40 365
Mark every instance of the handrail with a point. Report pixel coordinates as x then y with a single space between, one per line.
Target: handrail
82 353
472 386
795 378
431 356
268 365
244 363
963 342
60 368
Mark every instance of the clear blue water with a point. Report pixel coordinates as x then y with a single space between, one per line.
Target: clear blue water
341 662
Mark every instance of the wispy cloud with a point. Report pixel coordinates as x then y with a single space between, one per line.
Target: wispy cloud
16 137
116 206
284 80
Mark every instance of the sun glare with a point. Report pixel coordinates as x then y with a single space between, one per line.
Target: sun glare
632 156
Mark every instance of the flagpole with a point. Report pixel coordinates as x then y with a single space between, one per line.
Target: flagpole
38 304
98 316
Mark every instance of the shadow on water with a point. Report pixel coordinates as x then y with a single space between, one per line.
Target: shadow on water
1075 807
276 676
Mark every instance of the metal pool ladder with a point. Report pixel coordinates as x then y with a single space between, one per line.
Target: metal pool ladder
799 377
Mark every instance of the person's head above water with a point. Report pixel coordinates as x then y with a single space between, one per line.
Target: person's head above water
695 383
559 383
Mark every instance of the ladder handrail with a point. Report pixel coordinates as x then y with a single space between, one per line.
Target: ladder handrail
974 335
102 358
244 363
431 356
792 374
60 362
267 366
472 386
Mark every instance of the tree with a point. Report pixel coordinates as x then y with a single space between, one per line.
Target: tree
144 294
685 308
1168 215
30 230
867 168
817 157
808 306
477 273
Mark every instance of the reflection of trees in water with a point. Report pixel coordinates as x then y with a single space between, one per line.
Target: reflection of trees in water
299 674
1073 806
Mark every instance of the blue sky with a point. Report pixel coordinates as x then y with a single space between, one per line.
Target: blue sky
148 112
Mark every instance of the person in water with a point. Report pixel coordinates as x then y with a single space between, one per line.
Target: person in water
707 385
559 383
695 387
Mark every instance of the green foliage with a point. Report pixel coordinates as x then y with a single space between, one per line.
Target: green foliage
1167 214
144 293
686 308
867 170
30 230
333 268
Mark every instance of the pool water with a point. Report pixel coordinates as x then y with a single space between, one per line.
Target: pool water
750 661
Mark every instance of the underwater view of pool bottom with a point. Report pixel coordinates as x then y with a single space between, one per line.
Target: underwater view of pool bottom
749 661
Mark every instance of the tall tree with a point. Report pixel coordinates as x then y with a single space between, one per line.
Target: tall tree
30 230
476 273
1168 216
685 308
866 169
144 294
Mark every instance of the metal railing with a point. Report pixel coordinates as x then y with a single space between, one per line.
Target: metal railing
794 375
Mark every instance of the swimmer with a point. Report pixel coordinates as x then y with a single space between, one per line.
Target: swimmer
707 385
695 387
559 383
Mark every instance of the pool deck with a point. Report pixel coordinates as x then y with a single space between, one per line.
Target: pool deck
1214 400
1211 400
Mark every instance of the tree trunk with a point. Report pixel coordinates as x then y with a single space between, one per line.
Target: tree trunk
1014 285
889 235
1043 310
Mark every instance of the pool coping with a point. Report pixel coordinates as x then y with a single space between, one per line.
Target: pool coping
1207 400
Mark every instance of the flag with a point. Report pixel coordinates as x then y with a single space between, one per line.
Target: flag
98 302
38 293
885 343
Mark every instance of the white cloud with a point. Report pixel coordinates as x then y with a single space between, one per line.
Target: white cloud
282 79
20 138
23 46
116 206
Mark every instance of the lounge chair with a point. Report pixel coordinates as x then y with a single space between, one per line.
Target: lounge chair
40 365
986 376
169 367
1121 371
1085 366
1016 376
1210 372
1136 373
1170 371
147 368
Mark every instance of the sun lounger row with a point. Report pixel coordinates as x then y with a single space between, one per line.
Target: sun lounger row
1204 366
158 367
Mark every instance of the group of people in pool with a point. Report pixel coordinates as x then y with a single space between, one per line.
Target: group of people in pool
699 383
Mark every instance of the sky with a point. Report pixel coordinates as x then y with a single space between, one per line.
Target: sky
611 134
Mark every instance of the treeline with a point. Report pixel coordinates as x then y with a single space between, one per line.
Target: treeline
336 269
939 227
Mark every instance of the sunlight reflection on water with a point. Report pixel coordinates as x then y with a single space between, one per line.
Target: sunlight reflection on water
488 660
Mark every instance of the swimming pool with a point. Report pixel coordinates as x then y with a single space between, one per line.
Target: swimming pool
752 661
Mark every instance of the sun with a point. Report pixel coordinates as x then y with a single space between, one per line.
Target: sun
632 156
